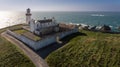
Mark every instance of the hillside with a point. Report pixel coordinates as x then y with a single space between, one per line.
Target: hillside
94 49
12 56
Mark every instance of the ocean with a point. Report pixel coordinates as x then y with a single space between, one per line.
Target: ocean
90 18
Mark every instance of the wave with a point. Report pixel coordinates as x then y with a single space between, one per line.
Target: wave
101 15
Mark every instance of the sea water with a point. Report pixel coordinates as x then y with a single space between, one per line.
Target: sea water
90 18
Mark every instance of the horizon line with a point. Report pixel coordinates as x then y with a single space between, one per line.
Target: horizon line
53 11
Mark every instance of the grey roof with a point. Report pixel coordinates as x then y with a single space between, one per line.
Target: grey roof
45 21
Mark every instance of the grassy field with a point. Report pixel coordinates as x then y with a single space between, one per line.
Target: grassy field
20 31
10 55
93 49
28 34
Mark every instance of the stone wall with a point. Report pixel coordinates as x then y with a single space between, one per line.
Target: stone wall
22 38
44 42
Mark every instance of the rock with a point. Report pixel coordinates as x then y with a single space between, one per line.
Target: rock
105 28
86 27
119 28
93 28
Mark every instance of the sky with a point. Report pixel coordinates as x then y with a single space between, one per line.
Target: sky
60 5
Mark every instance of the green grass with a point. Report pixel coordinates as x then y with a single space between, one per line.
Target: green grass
11 55
28 34
21 31
93 50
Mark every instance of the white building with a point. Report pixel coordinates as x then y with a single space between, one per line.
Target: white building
41 27
28 16
44 26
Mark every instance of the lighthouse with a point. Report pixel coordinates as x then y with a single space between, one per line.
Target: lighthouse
28 16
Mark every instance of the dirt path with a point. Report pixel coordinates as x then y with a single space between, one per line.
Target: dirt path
36 59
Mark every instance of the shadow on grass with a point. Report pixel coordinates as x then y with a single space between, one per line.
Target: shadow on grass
44 52
71 36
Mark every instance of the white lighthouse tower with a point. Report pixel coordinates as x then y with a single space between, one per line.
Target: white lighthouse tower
28 16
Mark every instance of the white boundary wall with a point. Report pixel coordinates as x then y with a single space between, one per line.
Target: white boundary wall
36 45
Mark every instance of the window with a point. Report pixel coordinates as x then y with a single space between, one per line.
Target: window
37 25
